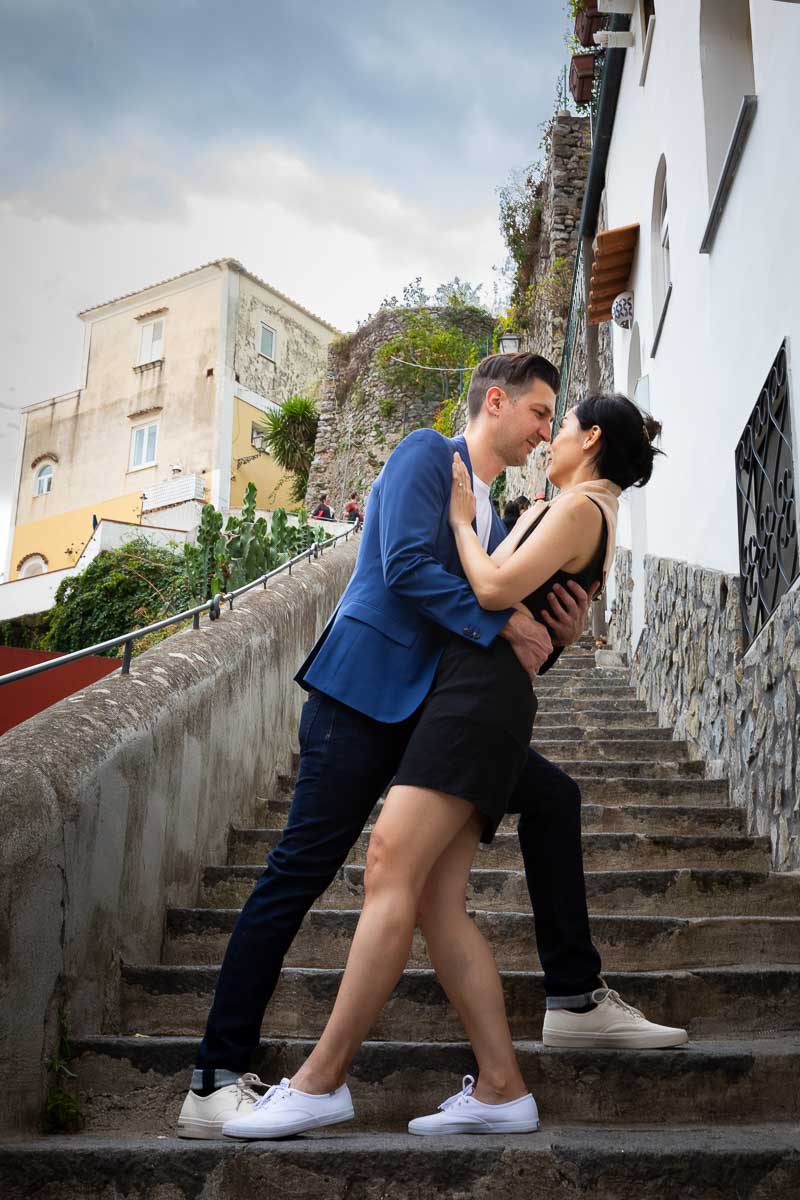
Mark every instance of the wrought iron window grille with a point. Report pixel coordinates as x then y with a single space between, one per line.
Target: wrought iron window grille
769 561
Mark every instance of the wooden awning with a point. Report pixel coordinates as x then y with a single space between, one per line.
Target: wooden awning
611 270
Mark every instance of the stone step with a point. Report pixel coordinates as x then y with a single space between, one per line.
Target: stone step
199 936
605 791
584 690
585 670
137 1084
569 732
568 1162
617 768
715 1002
599 710
616 817
628 788
601 724
656 819
601 851
621 750
654 892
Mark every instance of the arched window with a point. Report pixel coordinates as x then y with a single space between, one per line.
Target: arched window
32 564
44 480
661 269
726 68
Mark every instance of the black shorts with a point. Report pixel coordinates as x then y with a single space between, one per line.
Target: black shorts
474 730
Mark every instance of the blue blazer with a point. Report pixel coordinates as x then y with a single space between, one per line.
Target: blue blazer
379 651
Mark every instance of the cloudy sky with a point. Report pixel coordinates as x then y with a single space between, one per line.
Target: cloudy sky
337 148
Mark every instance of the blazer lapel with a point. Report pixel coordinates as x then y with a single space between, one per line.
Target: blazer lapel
460 444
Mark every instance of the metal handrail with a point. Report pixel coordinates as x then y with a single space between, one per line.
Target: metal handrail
212 607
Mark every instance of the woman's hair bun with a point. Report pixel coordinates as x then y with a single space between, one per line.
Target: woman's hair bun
626 454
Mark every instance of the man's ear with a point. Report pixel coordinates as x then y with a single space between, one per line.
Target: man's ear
494 400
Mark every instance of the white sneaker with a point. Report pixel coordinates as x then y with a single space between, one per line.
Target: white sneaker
612 1024
462 1113
284 1111
204 1116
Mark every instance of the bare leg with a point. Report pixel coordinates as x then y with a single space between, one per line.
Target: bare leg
465 966
415 826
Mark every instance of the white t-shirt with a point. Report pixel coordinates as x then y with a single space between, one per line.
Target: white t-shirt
483 515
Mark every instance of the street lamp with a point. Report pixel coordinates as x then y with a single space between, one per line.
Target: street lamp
508 343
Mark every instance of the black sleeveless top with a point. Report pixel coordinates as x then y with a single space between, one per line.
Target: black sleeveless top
585 577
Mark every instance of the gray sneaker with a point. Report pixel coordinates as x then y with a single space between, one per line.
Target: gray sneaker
204 1116
613 1023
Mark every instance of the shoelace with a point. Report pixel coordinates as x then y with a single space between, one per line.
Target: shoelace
601 994
467 1088
246 1088
278 1091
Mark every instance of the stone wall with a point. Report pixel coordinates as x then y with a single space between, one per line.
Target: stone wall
555 251
362 418
619 624
739 712
113 800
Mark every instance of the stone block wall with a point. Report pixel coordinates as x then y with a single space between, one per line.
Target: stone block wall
362 418
562 198
619 625
738 711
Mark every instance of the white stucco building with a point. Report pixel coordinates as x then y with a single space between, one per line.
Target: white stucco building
715 272
689 223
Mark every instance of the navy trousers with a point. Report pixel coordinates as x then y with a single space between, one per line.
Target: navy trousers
346 762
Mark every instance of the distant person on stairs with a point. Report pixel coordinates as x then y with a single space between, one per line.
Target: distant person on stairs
404 623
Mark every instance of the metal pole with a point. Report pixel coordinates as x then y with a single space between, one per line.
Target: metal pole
126 657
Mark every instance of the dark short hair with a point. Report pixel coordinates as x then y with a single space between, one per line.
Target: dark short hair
354 495
511 510
626 453
512 372
323 495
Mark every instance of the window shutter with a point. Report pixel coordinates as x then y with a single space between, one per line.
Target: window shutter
156 340
152 433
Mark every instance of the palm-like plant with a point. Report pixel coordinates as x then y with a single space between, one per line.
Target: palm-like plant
289 435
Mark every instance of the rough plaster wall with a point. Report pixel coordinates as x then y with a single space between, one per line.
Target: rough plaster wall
362 418
300 356
113 801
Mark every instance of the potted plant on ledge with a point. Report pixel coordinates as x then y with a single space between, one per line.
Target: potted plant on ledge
588 19
581 78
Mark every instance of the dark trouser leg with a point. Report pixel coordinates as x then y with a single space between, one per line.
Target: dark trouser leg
550 838
346 761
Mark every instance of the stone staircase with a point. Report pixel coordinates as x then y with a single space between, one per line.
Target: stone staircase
692 927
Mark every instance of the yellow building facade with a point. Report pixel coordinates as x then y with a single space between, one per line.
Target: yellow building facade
175 379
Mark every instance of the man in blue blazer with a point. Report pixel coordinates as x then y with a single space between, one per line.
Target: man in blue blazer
367 677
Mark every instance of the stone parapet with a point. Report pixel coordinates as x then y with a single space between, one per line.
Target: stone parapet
113 800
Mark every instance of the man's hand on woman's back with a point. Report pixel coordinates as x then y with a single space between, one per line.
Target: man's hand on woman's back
566 620
529 640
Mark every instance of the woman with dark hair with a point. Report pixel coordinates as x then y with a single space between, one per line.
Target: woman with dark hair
510 514
453 786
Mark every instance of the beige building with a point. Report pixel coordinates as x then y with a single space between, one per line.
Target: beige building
175 379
